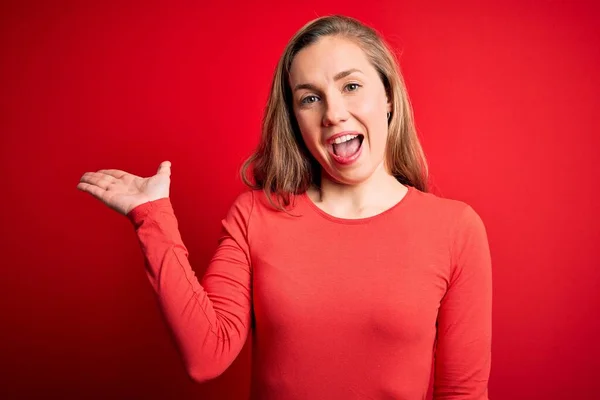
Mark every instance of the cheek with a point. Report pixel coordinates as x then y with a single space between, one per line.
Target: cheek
369 107
308 124
303 123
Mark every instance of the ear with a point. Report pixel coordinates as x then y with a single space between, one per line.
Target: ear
389 106
389 102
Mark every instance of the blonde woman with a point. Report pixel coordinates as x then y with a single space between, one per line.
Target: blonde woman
355 280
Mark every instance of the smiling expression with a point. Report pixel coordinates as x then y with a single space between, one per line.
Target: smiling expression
339 97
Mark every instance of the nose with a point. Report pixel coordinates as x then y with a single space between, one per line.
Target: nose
335 110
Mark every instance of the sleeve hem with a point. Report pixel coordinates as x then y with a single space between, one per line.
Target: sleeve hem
140 212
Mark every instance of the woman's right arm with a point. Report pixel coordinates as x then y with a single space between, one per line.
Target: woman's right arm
209 319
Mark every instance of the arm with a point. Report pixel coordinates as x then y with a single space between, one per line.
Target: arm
464 327
209 320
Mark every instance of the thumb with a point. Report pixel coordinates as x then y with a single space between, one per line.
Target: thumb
165 168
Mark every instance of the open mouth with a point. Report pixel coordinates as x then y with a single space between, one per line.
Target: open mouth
346 148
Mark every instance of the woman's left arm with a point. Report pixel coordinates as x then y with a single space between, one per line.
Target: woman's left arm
464 325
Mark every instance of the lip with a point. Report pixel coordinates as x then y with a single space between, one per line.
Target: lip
347 160
330 139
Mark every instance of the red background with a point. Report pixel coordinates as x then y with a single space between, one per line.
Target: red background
505 99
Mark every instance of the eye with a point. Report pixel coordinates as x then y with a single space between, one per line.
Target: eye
353 87
304 100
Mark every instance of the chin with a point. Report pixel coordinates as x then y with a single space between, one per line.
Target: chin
352 176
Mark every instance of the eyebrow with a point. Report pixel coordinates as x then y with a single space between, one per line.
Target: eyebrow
339 76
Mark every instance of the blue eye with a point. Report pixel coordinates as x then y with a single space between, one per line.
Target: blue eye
308 97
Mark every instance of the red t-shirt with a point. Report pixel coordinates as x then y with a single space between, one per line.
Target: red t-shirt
339 308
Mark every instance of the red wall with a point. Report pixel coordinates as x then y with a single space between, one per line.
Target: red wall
506 102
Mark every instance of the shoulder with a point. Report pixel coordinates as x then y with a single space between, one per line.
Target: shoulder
441 208
464 230
242 206
465 226
245 198
458 218
252 202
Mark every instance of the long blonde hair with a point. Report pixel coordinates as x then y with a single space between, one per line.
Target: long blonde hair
282 165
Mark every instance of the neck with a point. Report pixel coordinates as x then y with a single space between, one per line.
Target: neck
380 192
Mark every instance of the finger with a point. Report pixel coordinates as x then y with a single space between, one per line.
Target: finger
165 168
94 190
99 179
117 173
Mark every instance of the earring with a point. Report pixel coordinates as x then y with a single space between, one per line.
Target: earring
389 114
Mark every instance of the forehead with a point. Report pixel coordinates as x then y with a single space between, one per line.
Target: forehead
327 57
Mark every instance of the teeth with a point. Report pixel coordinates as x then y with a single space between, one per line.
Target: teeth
344 138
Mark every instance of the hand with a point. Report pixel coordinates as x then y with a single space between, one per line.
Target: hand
123 191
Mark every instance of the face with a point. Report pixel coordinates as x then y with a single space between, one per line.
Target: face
341 107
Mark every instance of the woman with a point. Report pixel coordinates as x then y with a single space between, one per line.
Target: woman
352 276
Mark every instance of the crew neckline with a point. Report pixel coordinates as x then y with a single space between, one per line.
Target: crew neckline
304 196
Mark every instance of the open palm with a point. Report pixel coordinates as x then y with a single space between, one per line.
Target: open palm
123 191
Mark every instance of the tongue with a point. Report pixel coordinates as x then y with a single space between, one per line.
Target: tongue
346 149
